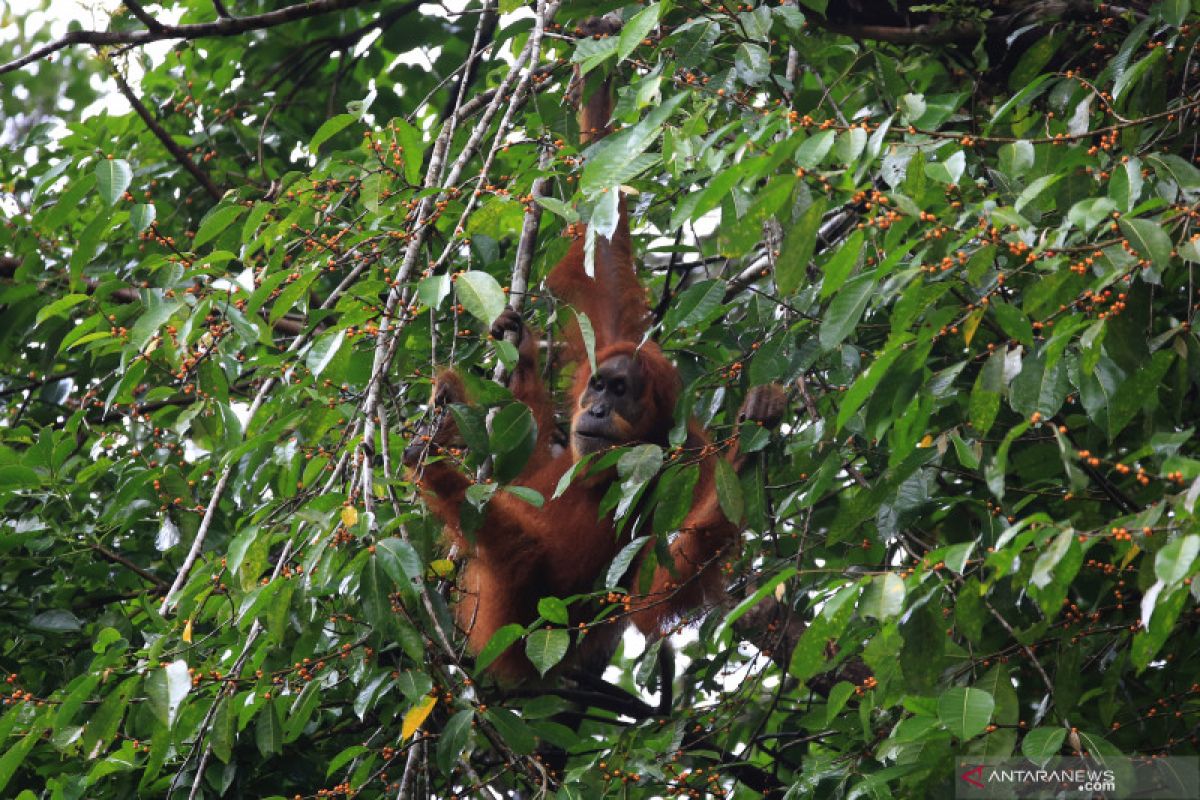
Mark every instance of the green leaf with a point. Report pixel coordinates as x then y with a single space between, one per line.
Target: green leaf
636 29
1042 744
223 733
59 307
558 207
329 128
1174 562
480 295
553 610
412 147
638 465
1035 190
1125 186
1014 323
1019 100
850 145
984 403
811 651
546 647
215 223
113 176
729 492
55 620
400 562
512 729
588 334
884 597
302 710
1172 167
695 304
845 310
1040 386
1174 12
949 170
609 161
323 351
67 201
1034 59
347 755
812 151
995 471
620 564
501 640
965 711
673 497
1087 214
864 385
591 53
751 64
102 727
268 732
15 476
140 216
454 739
14 754
1159 615
1149 239
166 688
514 433
792 266
1016 158
848 256
708 198
1130 77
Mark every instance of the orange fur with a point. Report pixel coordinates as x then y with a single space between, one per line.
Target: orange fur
520 553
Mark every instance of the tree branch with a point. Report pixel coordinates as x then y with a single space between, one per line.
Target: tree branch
115 558
227 26
174 149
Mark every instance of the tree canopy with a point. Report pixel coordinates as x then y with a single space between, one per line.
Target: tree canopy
239 239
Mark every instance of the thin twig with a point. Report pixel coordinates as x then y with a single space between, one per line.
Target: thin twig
167 141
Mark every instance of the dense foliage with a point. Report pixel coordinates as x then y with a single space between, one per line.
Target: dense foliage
965 238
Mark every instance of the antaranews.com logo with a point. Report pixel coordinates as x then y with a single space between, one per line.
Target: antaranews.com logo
1168 778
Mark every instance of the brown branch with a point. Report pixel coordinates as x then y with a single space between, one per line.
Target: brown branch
227 26
168 142
38 383
115 558
481 100
136 9
935 32
917 34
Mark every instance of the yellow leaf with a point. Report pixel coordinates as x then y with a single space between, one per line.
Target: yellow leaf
1134 550
349 516
415 717
187 631
926 440
971 325
442 567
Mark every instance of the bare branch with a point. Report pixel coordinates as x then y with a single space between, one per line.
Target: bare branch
227 26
